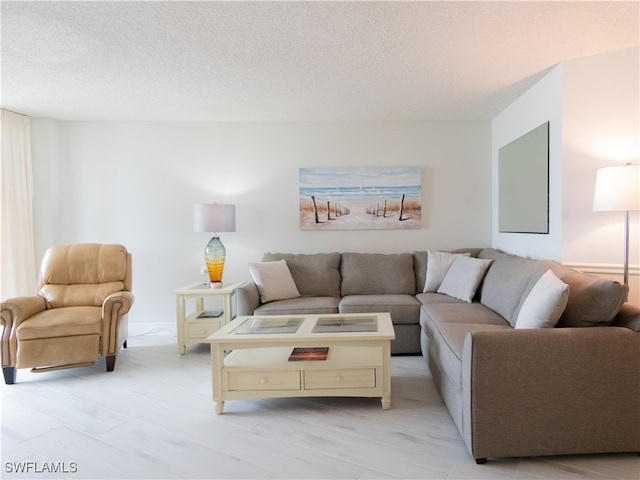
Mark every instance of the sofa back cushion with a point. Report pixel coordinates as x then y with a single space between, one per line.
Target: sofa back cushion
376 274
507 281
315 275
593 301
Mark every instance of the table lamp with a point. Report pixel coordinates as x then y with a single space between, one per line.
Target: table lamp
214 218
617 191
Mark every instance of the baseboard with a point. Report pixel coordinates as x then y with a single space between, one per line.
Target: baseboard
138 329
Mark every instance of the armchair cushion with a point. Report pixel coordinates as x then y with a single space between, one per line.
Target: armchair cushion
84 263
62 322
58 296
82 274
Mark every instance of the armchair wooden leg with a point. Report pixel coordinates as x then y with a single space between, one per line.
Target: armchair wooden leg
111 362
9 375
124 345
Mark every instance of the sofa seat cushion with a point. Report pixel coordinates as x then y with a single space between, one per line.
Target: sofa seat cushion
315 275
377 274
61 322
447 344
299 306
432 297
404 309
468 313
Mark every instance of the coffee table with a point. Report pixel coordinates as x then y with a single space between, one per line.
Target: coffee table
250 357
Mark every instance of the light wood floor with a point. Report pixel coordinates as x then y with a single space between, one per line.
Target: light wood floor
153 418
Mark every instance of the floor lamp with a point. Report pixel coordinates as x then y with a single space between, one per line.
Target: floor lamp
617 190
214 218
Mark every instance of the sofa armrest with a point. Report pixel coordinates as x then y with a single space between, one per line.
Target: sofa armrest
629 317
551 391
13 312
248 299
114 311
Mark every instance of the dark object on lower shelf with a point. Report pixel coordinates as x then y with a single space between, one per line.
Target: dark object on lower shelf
308 353
210 314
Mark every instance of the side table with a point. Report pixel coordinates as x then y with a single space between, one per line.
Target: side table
191 328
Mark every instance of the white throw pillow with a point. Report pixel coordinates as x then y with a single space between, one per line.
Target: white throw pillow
463 277
274 280
438 264
545 304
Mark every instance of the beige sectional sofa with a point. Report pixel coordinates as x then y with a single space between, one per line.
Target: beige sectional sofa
571 389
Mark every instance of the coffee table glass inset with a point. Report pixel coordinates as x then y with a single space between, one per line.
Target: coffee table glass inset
258 366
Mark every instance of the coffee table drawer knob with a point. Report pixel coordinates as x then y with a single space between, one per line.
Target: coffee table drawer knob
338 379
263 380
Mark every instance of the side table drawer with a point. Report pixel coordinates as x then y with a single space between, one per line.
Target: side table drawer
195 330
266 380
354 378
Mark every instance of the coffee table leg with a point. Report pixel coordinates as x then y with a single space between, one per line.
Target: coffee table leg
217 363
386 375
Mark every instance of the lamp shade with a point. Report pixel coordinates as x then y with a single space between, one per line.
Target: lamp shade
214 217
617 189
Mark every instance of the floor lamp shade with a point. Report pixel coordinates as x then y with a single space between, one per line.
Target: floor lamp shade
618 190
214 218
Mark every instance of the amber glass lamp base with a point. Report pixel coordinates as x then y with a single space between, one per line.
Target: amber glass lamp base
214 255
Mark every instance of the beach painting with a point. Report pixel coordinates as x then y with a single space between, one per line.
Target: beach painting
360 198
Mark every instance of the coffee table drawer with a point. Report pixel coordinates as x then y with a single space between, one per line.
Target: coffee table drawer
201 331
272 380
353 378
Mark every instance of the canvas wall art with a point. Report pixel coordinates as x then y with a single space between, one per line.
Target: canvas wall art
360 198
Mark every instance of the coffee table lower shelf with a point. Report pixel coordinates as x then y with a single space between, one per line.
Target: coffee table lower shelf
349 371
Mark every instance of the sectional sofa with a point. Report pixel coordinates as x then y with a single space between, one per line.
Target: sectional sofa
530 357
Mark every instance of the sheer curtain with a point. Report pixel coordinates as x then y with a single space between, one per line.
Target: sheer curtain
17 252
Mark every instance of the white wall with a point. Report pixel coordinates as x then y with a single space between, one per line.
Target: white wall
136 183
601 128
542 103
592 105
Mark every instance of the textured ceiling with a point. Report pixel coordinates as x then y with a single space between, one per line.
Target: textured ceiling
211 61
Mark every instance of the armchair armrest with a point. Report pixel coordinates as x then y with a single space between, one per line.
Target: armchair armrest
114 310
13 312
248 299
551 391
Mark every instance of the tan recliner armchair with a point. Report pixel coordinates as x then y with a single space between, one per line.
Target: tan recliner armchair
78 315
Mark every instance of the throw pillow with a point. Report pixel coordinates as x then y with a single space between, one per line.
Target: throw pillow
545 304
463 277
438 264
274 281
